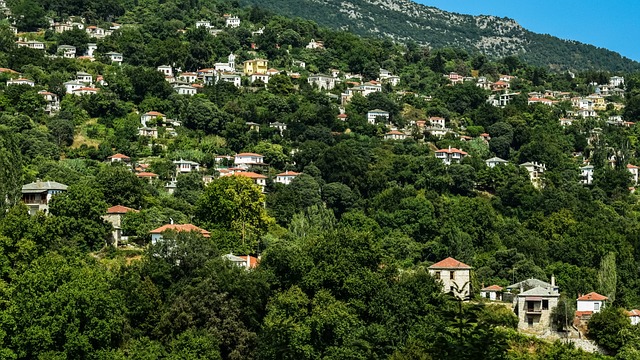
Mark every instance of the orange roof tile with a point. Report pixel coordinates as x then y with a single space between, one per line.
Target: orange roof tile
449 263
633 313
154 113
592 296
118 156
248 154
451 151
146 174
119 209
180 228
288 173
631 166
250 175
492 288
583 313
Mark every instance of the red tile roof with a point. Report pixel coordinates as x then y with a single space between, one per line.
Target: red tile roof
118 156
492 288
248 154
146 174
449 263
8 70
154 113
250 175
394 132
119 209
180 228
633 313
631 166
583 313
288 173
592 296
451 151
342 116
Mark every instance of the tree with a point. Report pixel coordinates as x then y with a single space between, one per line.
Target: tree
610 328
10 167
607 276
234 204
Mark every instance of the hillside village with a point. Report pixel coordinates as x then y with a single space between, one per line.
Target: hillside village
304 169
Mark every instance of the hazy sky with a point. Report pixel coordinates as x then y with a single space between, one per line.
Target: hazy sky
613 24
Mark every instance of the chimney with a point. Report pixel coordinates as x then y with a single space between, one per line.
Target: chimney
553 281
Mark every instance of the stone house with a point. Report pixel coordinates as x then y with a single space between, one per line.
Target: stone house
454 276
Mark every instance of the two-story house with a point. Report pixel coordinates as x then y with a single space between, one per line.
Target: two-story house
536 173
258 179
37 195
374 115
246 160
256 66
286 177
495 161
185 166
534 307
590 303
586 174
158 234
454 276
114 216
450 155
323 82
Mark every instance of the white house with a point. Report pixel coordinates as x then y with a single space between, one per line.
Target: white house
493 293
454 276
203 23
536 172
151 132
185 166
67 51
85 91
151 115
450 155
323 82
634 173
281 127
566 122
262 77
229 66
245 160
313 44
35 45
84 77
157 234
395 135
437 122
21 81
91 47
586 175
71 86
188 77
115 57
166 70
258 179
119 158
52 100
37 195
243 261
185 90
373 115
495 161
590 303
233 21
616 81
286 177
231 78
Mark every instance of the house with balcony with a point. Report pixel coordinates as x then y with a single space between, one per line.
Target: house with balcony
437 122
66 51
455 277
533 308
114 57
323 82
185 166
21 81
536 173
84 77
256 66
495 161
247 160
52 102
586 175
377 115
37 195
232 21
450 155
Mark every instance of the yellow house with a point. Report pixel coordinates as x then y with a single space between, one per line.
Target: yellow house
257 66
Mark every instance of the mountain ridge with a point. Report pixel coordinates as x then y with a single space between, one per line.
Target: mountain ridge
405 20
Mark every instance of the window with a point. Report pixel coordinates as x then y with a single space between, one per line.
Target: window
452 275
530 321
437 275
596 306
545 304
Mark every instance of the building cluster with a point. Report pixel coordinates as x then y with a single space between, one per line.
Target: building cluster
532 300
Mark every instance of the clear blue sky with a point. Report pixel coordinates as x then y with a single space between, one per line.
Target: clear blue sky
612 24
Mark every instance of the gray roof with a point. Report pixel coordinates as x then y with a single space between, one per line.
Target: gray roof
496 159
42 186
233 258
540 291
529 284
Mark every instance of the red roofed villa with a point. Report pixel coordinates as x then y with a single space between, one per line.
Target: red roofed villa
119 158
493 293
454 275
590 303
156 234
450 155
286 177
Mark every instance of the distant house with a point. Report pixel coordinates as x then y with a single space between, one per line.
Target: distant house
114 57
119 158
149 176
151 132
634 316
151 115
37 195
374 115
203 23
495 161
450 155
21 81
66 51
536 173
590 303
256 66
437 122
533 283
281 127
185 166
246 160
286 177
586 174
114 216
188 77
395 135
566 122
232 79
616 81
229 66
185 90
342 117
232 21
244 261
85 91
157 234
533 308
493 293
52 102
166 70
313 44
264 78
258 179
323 82
454 276
84 77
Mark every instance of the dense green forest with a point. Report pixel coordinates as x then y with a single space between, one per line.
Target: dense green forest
344 249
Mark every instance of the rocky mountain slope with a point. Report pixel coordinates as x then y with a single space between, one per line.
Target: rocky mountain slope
405 20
